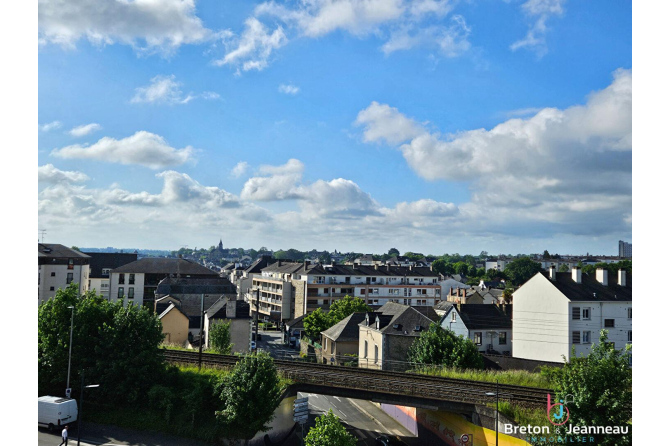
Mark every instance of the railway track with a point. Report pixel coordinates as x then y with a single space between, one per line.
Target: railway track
397 383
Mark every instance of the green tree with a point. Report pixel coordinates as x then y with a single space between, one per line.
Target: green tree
601 386
443 347
219 337
249 395
518 271
507 295
546 255
440 266
342 308
393 252
329 432
117 345
461 268
316 322
563 268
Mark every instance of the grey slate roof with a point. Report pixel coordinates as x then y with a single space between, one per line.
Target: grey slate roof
195 285
590 290
346 329
218 309
398 319
100 260
162 265
349 270
54 250
296 323
483 317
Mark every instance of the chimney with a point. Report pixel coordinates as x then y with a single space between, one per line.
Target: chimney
410 267
458 306
306 263
431 267
231 309
388 267
552 272
279 263
622 277
376 267
577 274
601 276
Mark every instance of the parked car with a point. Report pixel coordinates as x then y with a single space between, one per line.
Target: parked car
54 412
389 440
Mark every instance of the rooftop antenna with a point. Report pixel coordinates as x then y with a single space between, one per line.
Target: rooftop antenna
42 232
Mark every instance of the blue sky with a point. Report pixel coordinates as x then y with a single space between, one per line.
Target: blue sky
431 126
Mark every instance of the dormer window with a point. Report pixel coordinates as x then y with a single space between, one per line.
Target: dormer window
377 324
417 328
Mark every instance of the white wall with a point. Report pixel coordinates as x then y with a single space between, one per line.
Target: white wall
138 286
80 275
541 328
599 312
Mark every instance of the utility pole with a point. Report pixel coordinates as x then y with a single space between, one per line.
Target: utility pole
202 321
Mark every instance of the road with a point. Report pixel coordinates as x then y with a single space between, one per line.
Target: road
96 435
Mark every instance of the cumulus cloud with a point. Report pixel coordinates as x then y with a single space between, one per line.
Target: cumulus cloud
143 148
86 129
278 182
51 175
147 25
51 126
401 22
289 89
540 11
252 50
240 169
570 166
166 90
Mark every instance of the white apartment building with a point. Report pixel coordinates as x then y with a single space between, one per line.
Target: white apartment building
289 290
58 266
102 263
556 312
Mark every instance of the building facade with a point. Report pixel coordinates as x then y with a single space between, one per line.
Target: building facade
58 266
625 249
102 263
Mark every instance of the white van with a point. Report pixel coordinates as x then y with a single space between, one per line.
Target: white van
54 412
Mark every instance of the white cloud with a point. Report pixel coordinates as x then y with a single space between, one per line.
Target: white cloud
567 167
240 169
51 126
540 11
289 89
147 25
51 175
84 130
278 182
451 41
254 47
142 148
166 90
402 20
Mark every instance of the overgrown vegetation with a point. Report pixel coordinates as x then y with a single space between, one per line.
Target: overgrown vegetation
318 321
437 346
512 377
328 431
219 337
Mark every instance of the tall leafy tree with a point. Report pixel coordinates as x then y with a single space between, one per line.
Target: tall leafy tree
342 308
316 322
328 431
518 271
249 395
440 266
601 389
393 252
438 346
219 337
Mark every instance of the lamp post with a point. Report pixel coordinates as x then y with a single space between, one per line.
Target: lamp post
69 360
496 394
80 421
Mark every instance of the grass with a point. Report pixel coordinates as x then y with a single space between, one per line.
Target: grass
522 415
512 377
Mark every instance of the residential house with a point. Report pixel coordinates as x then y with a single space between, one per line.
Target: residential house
385 335
234 312
58 266
101 265
293 331
175 325
555 313
341 339
489 327
136 282
464 296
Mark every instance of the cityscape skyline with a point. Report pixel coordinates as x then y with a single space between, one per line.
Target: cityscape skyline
424 125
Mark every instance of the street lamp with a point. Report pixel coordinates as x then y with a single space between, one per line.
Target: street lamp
496 395
81 405
69 360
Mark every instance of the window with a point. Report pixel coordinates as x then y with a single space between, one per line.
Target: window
576 311
376 353
453 316
609 323
375 291
630 312
332 347
576 337
363 291
53 274
586 337
131 279
120 292
104 285
365 350
502 338
70 263
70 277
122 278
586 314
131 292
630 335
478 338
51 288
105 271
